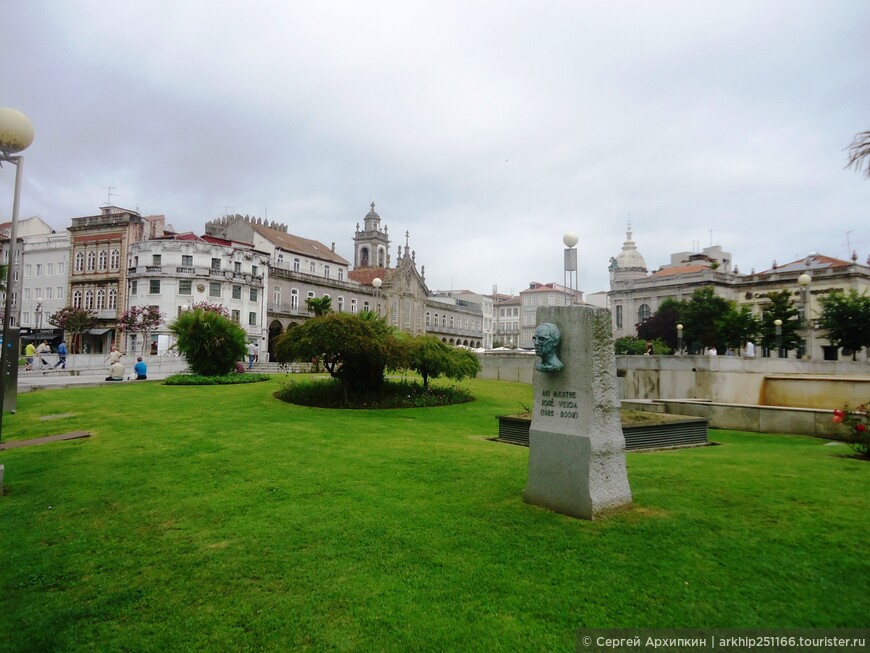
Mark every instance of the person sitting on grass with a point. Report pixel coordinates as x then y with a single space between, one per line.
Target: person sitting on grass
240 367
116 372
141 369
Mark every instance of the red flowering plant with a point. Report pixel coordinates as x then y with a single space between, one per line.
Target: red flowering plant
859 430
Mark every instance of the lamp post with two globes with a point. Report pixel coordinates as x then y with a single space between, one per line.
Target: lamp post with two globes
16 135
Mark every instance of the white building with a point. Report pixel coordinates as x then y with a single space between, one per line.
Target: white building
178 271
43 285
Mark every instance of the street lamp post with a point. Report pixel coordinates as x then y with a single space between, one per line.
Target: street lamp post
16 135
377 282
804 282
777 323
680 339
38 313
569 279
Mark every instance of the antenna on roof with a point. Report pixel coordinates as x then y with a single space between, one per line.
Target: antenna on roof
110 194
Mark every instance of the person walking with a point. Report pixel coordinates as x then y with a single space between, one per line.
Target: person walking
40 351
252 352
61 356
29 353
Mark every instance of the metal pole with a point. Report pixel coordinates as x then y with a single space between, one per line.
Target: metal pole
18 162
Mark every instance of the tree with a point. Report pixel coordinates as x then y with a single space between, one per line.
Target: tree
211 342
74 321
781 307
702 316
846 318
320 306
738 326
859 152
141 319
4 272
663 324
355 350
432 358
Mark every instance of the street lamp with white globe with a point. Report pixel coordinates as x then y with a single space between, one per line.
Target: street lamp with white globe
377 282
570 278
16 135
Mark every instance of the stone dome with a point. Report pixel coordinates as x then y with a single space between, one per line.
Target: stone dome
629 258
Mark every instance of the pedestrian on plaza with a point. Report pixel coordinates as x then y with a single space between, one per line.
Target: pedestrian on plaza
141 369
40 351
29 353
61 356
114 356
256 353
251 348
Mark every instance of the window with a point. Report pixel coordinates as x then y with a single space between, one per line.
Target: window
236 316
49 269
452 321
407 312
340 304
61 268
254 294
114 259
187 260
113 298
101 259
643 313
437 320
134 287
254 270
101 299
296 265
312 267
428 318
91 261
80 262
89 299
49 291
28 270
276 296
39 269
27 294
185 286
252 318
214 289
326 272
60 291
619 315
341 274
237 292
353 305
154 287
294 299
14 299
237 267
366 306
215 264
156 259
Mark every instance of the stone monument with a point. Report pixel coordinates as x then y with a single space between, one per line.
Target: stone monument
576 446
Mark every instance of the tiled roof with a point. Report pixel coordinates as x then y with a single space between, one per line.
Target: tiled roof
298 245
816 262
680 269
365 276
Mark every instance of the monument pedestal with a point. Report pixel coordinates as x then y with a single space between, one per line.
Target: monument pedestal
576 445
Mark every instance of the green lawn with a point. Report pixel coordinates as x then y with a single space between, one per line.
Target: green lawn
220 519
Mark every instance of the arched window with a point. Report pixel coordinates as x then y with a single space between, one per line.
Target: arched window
113 299
101 299
77 299
80 261
643 313
619 315
89 299
114 259
92 261
101 260
340 303
364 257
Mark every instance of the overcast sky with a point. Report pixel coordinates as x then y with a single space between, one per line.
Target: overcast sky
486 129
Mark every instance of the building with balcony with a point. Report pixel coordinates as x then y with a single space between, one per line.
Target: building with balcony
178 271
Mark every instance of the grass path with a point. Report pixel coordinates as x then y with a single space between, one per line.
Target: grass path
219 519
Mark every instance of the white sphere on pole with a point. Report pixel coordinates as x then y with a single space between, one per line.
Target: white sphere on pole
16 131
570 239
